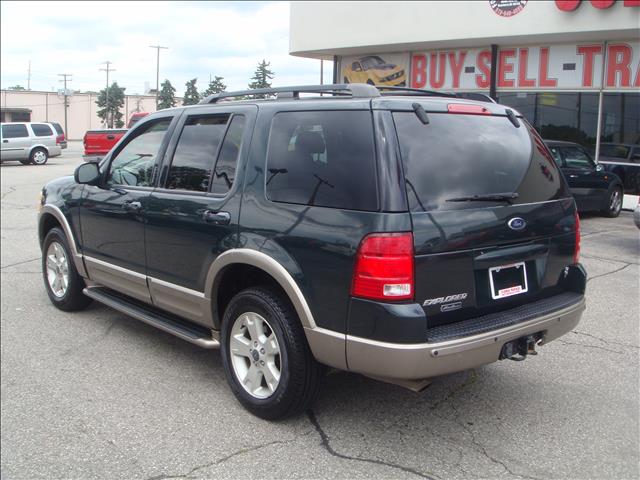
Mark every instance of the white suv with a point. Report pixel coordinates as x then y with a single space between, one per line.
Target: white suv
29 142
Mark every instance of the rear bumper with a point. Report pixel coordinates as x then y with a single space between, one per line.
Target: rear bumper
425 360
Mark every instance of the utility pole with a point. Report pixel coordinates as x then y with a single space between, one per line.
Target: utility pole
158 47
107 63
29 76
66 105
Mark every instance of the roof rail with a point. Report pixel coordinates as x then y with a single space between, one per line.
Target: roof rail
355 90
418 91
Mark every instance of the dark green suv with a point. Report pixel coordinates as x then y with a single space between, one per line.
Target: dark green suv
401 236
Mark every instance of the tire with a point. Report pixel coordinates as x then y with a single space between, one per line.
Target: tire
39 156
299 373
71 298
613 204
26 161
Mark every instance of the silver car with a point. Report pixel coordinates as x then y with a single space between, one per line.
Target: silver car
29 142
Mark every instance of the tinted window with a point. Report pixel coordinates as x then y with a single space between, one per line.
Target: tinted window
458 156
41 130
555 151
614 151
576 157
14 131
133 164
58 128
322 158
196 152
225 170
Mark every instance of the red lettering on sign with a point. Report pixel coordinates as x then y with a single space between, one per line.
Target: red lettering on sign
589 52
418 71
631 3
543 78
437 68
523 81
504 67
483 61
618 60
602 4
567 5
456 67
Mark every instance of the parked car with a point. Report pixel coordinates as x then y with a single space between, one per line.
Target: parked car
375 71
135 117
28 142
399 237
97 143
624 161
593 188
62 138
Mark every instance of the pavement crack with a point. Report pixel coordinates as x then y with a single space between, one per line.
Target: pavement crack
606 259
471 379
608 342
327 446
609 273
195 469
11 190
19 263
564 342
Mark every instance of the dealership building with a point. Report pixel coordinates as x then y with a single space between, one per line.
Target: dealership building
570 67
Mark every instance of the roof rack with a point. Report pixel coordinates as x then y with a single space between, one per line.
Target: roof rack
418 91
355 90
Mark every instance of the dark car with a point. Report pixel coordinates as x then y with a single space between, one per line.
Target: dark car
594 189
401 237
623 160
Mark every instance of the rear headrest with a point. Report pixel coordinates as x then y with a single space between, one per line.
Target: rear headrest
310 142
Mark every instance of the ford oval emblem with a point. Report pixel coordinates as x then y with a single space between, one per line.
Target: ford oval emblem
517 223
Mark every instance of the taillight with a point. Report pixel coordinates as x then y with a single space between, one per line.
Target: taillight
384 267
576 251
59 139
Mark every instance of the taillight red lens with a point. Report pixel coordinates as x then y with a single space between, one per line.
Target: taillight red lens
384 267
59 139
576 252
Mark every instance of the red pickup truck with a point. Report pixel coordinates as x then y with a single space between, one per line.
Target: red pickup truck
97 143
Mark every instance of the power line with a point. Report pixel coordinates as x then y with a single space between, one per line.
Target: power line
158 47
66 104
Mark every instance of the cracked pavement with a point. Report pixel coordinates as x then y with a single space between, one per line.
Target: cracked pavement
99 395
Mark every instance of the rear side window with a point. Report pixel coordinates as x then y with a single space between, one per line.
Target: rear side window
196 152
14 131
41 130
225 170
323 158
457 156
577 157
58 128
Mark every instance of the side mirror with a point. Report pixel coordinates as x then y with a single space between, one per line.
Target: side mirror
599 168
87 173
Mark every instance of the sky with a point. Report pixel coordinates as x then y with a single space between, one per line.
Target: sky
205 39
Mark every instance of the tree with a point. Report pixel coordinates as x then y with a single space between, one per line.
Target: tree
215 86
17 87
191 95
110 114
166 97
261 77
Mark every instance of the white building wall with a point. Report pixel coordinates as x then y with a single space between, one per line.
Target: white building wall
82 112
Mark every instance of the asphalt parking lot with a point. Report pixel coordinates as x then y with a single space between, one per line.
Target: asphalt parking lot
96 394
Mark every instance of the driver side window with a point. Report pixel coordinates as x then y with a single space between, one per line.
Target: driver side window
133 165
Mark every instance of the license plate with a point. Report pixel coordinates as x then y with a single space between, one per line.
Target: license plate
508 280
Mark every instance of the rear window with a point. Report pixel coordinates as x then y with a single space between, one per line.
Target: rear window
457 156
324 159
41 130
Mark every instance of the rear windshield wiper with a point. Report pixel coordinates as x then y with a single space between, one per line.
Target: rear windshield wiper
487 197
420 113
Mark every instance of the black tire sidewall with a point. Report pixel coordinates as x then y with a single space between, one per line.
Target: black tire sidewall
73 299
35 150
278 403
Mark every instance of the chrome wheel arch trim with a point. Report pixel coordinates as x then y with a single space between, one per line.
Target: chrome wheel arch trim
71 239
267 264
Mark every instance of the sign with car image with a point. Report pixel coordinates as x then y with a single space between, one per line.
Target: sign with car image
387 69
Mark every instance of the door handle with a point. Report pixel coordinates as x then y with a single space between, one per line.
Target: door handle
133 207
216 218
5 141
110 137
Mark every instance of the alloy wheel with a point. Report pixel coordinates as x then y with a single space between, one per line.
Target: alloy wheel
57 269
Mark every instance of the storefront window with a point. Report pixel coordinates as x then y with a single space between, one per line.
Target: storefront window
621 118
